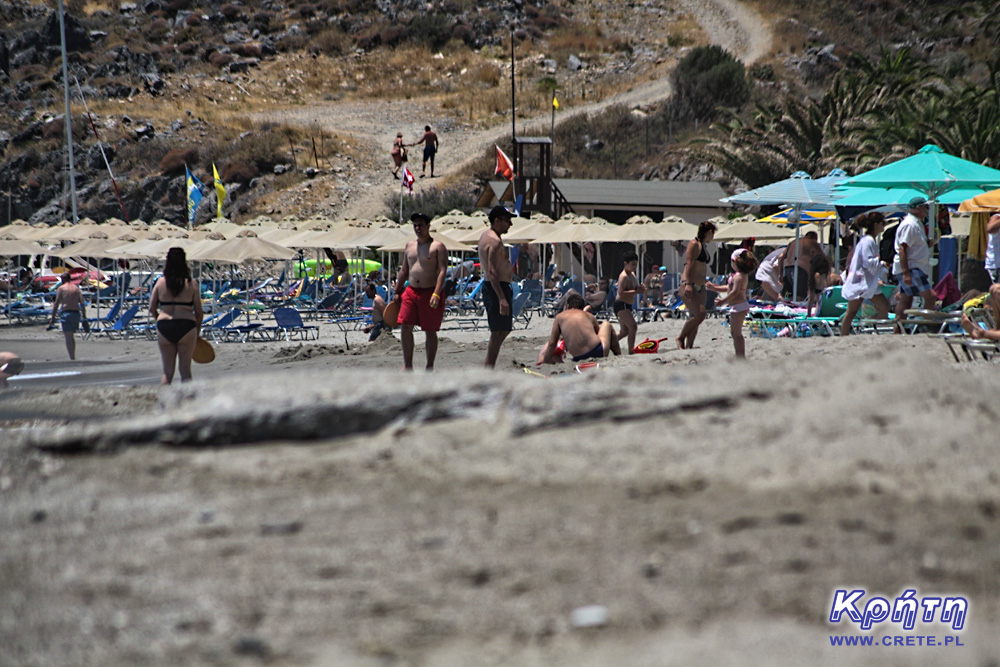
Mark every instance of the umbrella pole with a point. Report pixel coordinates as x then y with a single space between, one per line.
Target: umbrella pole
795 275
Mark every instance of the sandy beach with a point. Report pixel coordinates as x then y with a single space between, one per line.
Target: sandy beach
309 504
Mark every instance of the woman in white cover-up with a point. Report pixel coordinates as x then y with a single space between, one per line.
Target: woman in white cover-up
862 276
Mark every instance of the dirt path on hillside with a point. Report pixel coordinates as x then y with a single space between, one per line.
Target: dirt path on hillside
372 125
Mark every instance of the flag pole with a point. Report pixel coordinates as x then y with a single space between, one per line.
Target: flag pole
552 131
69 122
513 121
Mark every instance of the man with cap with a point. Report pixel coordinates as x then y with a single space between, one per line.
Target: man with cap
497 295
70 308
425 262
911 265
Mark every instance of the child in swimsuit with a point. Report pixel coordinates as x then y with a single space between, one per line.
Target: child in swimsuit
743 262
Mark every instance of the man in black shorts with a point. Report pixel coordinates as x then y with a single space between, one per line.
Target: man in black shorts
497 294
430 142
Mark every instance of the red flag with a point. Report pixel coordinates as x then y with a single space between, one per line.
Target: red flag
408 179
504 166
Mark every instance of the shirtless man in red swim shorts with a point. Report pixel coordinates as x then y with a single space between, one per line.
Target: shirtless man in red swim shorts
425 264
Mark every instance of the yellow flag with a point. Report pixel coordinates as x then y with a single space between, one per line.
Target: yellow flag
555 102
220 191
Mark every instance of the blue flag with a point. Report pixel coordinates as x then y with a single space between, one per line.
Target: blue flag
194 187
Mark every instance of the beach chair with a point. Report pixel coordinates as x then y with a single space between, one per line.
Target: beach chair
120 328
471 300
225 328
289 325
519 309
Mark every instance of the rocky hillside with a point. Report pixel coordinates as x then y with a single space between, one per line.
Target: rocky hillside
240 85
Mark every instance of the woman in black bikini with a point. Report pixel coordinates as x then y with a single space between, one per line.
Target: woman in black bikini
628 287
692 289
175 302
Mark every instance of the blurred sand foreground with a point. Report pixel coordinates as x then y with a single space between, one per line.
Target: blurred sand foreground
460 518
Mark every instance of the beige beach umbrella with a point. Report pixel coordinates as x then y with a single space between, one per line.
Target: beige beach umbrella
315 240
91 248
643 231
263 221
381 236
450 244
758 230
15 247
579 232
239 250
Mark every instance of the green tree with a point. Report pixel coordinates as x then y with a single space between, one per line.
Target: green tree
707 79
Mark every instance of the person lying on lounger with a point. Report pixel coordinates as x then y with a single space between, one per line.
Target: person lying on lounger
584 337
979 332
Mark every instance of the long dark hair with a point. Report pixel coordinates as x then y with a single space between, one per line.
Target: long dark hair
175 271
866 222
704 228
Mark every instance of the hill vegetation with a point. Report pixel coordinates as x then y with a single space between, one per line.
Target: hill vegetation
174 82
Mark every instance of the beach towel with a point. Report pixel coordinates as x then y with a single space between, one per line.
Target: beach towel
946 290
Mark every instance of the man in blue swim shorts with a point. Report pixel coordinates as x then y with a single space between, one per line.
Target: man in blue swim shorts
583 335
70 307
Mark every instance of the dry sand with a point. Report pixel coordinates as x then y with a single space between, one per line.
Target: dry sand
459 518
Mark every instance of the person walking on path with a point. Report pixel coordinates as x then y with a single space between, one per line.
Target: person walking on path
425 264
175 304
71 309
912 264
863 272
497 295
692 289
628 288
430 142
398 153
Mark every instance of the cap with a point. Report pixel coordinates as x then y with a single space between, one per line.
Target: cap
499 212
918 201
420 216
663 268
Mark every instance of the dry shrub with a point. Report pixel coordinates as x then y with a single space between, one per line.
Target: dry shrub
307 11
332 41
248 50
173 162
576 39
188 48
230 12
157 30
264 147
546 22
239 171
487 74
464 33
193 20
220 60
265 22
